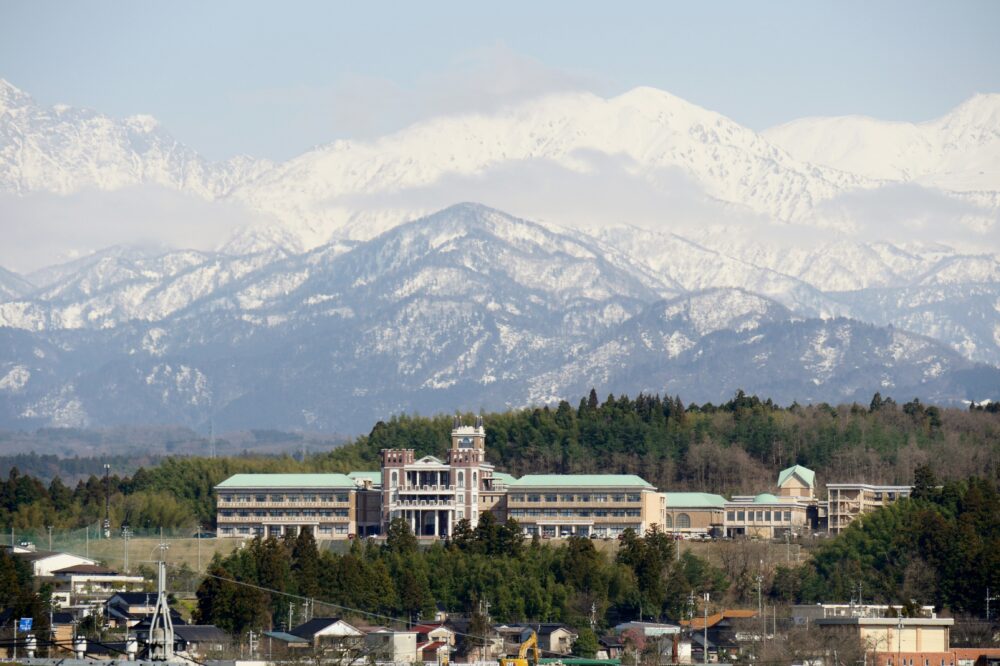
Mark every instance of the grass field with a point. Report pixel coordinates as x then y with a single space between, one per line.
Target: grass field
196 553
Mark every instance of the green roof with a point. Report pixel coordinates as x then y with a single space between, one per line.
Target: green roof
580 481
695 500
505 477
250 481
807 475
374 477
765 498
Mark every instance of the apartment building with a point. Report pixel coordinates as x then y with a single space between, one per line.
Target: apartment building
264 505
847 501
603 505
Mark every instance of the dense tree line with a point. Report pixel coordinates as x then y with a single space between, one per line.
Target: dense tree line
941 547
735 447
521 581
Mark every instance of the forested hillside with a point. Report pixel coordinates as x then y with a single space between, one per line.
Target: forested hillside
735 447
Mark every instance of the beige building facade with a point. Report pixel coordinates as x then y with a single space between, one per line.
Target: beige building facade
847 501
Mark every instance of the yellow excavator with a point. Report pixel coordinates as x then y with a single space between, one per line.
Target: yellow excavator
522 659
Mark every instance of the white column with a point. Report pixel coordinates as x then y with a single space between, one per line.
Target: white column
436 533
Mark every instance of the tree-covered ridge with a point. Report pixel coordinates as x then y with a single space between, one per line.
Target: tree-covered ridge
736 447
941 547
521 581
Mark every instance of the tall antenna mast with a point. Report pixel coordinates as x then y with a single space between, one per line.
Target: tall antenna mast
107 501
161 627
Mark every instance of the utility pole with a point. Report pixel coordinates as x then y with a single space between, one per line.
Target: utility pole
107 501
126 533
49 528
704 648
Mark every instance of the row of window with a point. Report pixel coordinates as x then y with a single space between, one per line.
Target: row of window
758 516
281 513
575 513
566 497
322 497
247 529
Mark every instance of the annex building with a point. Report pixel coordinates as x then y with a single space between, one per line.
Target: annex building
432 495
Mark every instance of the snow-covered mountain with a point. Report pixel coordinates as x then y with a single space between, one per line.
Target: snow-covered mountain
358 299
358 189
959 151
62 150
469 307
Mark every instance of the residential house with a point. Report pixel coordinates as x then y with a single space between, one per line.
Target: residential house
722 631
45 562
82 584
392 645
331 634
553 638
200 640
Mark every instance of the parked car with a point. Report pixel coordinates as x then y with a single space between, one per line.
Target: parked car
204 535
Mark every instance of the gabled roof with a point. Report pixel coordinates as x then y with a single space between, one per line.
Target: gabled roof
316 625
580 481
714 619
765 498
505 477
429 460
201 633
695 501
252 481
86 569
807 476
136 598
286 637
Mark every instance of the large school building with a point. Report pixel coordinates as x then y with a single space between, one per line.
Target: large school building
432 495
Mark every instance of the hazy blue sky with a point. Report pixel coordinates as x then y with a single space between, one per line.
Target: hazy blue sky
273 79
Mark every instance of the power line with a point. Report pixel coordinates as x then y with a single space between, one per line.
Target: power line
348 608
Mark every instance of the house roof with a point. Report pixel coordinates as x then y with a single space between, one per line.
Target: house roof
316 625
695 501
86 569
136 598
286 637
716 618
505 477
580 481
765 498
611 641
201 633
431 645
807 475
252 481
424 628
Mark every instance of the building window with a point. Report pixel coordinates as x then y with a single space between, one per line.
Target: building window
731 516
741 516
767 516
632 497
788 516
683 521
668 522
393 480
461 478
550 498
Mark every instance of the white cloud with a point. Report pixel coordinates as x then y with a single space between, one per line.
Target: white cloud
42 229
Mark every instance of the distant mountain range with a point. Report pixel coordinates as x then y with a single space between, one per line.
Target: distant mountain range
358 300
